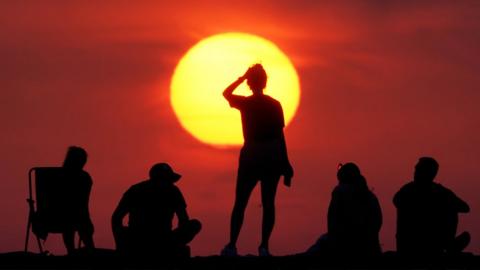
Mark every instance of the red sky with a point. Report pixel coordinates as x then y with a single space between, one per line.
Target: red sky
383 83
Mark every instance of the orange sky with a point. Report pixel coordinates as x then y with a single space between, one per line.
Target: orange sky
382 84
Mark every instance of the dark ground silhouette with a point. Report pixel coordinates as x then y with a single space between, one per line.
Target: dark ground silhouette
108 259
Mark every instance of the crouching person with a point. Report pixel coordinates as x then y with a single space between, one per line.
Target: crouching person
151 206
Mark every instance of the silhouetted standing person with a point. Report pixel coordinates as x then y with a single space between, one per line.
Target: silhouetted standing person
151 206
77 216
354 218
263 156
427 214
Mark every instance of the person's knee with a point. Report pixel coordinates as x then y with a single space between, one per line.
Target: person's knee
460 242
239 207
464 235
268 206
195 225
268 198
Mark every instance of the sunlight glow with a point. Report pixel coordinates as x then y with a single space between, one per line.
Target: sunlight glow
210 66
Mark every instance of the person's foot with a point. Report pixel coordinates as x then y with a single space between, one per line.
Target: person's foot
263 252
229 251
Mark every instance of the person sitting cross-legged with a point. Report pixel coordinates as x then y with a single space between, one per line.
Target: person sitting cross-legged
151 206
427 215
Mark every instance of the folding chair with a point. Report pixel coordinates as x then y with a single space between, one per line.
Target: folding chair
51 195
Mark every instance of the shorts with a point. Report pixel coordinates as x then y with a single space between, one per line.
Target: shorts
261 160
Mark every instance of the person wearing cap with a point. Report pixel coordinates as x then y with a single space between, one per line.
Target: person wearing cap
427 215
151 206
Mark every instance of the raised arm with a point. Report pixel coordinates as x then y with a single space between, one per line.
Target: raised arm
228 92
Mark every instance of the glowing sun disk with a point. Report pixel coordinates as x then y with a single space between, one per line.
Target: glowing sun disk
210 66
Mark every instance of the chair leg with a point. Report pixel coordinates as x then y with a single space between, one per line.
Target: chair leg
29 223
40 247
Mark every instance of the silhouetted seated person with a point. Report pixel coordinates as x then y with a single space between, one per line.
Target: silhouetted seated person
151 206
77 216
427 215
354 218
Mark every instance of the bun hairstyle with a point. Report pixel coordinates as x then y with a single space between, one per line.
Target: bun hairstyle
349 173
257 77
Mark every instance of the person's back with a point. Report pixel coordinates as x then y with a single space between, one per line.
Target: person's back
79 185
76 200
426 218
354 221
427 214
354 217
152 206
262 118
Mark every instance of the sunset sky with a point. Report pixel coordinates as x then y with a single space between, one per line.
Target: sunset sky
382 84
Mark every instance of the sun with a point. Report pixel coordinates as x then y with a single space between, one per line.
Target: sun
210 66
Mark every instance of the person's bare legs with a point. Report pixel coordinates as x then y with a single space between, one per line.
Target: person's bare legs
269 190
245 186
69 241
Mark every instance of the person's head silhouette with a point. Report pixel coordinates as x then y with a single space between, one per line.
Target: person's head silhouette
349 173
163 172
257 79
76 158
425 170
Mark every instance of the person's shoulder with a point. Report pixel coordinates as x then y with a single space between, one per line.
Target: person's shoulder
440 187
139 186
239 98
136 190
81 176
247 99
340 190
444 191
175 189
371 194
407 187
85 174
271 100
373 198
337 189
403 193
